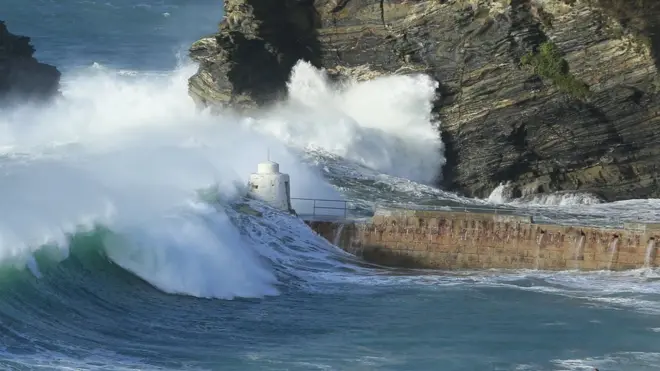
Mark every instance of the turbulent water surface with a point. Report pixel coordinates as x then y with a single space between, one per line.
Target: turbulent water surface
111 259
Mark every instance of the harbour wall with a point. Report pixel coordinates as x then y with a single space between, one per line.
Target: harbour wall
468 240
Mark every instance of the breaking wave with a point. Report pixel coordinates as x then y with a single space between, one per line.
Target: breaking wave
503 194
123 212
129 153
579 208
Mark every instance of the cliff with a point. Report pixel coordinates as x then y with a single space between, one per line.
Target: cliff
22 77
549 95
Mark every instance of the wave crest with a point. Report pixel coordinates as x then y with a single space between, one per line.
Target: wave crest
130 152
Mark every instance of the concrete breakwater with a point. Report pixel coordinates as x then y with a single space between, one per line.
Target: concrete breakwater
468 240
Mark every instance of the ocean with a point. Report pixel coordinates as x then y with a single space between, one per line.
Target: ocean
111 259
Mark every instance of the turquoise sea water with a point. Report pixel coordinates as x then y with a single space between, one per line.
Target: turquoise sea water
149 283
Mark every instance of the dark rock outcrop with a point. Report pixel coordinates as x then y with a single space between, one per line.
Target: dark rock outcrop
22 77
549 95
249 61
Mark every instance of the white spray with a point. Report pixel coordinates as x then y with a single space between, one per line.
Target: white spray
613 247
131 152
384 124
650 250
578 250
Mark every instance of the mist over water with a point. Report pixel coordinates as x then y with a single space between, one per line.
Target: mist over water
388 121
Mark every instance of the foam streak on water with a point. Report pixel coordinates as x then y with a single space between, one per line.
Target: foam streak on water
581 208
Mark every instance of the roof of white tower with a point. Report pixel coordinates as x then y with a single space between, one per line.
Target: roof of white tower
268 167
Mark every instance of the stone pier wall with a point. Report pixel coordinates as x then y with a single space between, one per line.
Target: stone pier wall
458 240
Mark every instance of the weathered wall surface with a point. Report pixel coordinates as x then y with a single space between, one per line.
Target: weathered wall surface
454 240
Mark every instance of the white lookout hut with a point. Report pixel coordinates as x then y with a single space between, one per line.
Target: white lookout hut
270 186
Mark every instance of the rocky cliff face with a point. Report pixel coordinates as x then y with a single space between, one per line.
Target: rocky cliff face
22 77
249 60
549 95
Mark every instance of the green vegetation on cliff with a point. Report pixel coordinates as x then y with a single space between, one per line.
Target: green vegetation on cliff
548 63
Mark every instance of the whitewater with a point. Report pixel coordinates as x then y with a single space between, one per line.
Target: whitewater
123 244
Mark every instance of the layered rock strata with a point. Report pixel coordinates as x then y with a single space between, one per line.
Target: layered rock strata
549 95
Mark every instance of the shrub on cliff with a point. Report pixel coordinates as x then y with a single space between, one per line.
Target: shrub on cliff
548 63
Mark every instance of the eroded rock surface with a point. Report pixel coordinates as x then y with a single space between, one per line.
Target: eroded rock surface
547 94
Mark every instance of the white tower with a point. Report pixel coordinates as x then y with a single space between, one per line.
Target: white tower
270 186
